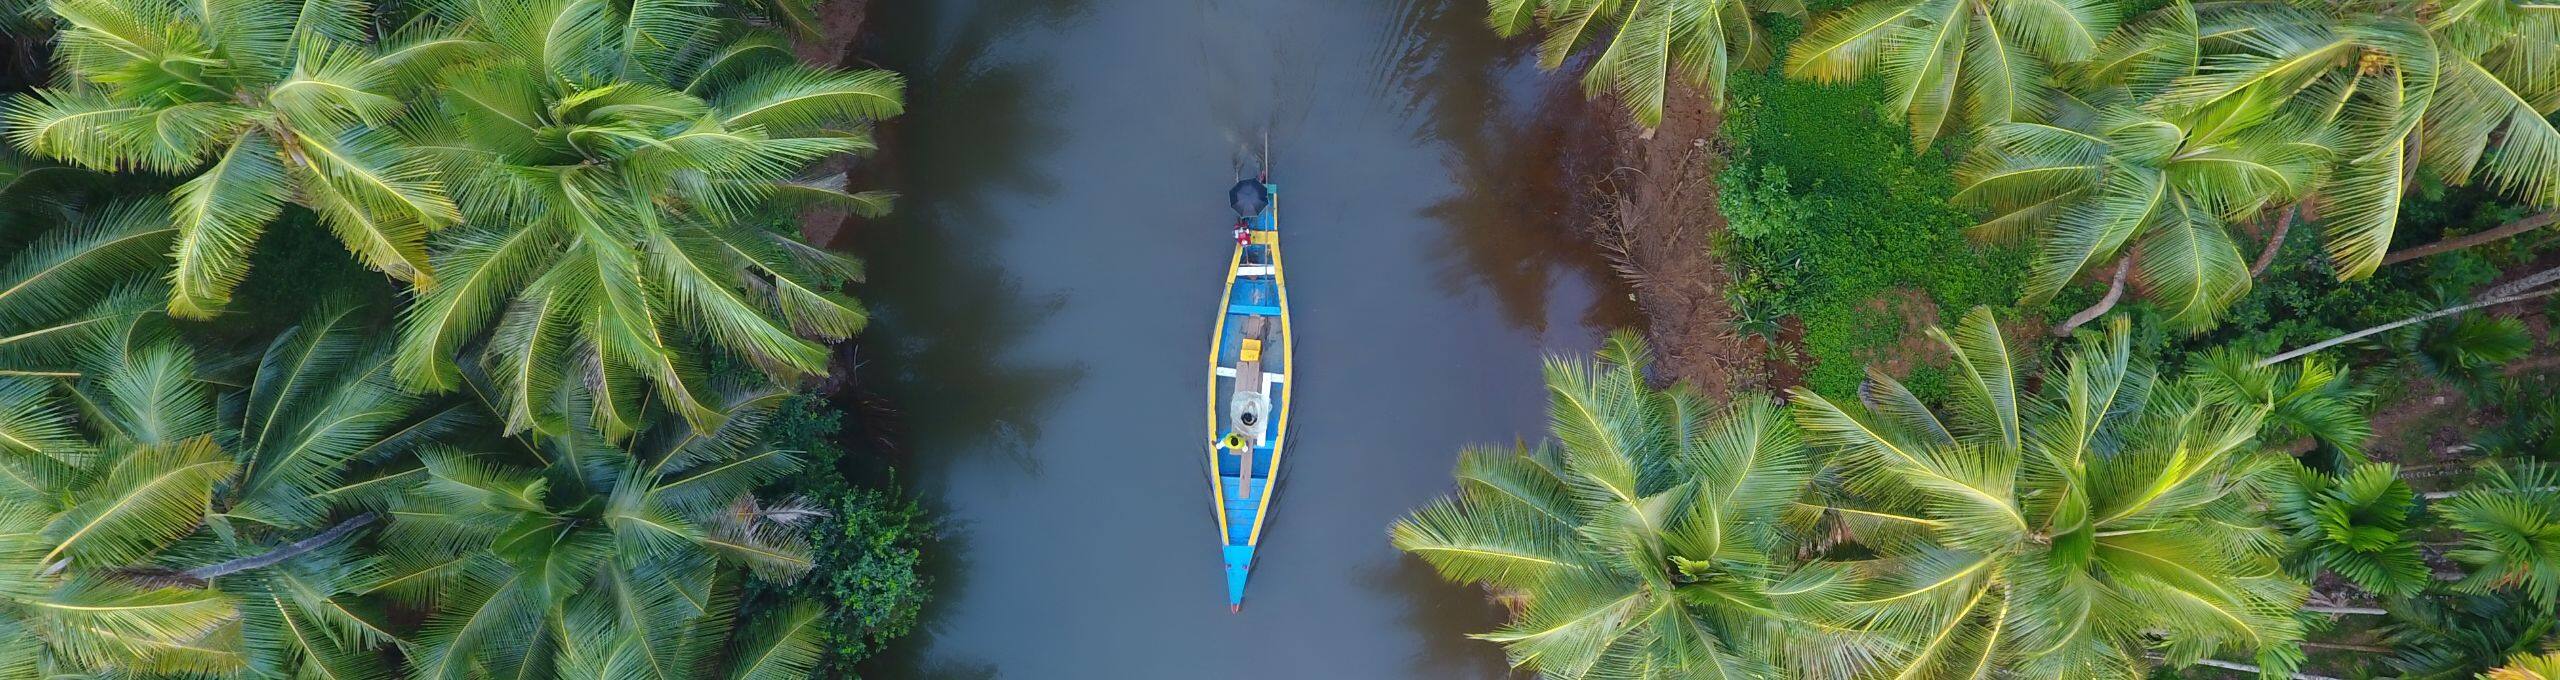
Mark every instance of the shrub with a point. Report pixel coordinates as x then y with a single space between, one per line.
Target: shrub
868 548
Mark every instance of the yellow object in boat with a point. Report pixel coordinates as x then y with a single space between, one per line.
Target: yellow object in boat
1251 351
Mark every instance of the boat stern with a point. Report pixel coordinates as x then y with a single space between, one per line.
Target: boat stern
1239 560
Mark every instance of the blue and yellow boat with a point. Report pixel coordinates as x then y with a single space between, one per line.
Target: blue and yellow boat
1249 379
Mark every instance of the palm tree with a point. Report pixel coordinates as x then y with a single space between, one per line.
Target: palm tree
2154 196
2066 534
77 278
619 182
1698 41
572 557
1646 545
1954 63
2527 667
260 104
2312 399
2510 524
2461 90
2527 287
162 524
2355 525
2456 637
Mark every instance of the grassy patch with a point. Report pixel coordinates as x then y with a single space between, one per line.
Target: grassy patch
1831 214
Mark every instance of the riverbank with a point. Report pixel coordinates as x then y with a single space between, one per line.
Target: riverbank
1650 205
1790 237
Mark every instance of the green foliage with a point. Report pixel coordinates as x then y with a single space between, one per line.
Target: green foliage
620 182
260 105
2455 637
1950 64
869 557
1831 213
2356 525
2509 517
172 509
558 554
2070 531
141 496
2527 667
2312 398
1701 42
868 547
2470 347
1643 542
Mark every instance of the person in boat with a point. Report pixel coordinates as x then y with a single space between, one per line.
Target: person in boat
1248 197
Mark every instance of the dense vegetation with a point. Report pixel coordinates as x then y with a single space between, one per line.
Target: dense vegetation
432 339
2314 436
2092 519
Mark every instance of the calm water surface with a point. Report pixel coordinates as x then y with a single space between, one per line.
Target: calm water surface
1044 297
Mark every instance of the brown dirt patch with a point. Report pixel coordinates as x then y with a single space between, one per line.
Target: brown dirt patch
1915 313
839 27
1652 208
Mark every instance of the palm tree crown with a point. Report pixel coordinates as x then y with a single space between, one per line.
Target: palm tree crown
261 103
573 557
1955 62
2065 534
2106 180
2463 90
1646 544
162 524
1699 41
616 173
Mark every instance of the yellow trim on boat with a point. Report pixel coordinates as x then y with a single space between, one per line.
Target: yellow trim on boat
1288 380
1217 332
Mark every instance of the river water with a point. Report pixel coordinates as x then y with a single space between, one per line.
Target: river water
1044 295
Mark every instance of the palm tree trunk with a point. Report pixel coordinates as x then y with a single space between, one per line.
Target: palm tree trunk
2376 649
2525 224
2275 242
289 551
2520 289
2115 290
2250 668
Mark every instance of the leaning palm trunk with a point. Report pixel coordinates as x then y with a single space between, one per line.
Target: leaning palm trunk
2501 232
2539 284
2115 291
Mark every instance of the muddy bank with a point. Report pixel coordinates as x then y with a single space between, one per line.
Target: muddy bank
839 29
1650 203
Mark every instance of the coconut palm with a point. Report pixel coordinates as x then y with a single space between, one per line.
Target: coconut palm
2063 534
2462 90
1954 65
2527 667
78 277
1645 544
163 524
571 557
1648 44
2110 184
258 103
619 174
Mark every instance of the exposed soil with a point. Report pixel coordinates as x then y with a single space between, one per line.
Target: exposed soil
839 26
2429 426
1652 208
1915 313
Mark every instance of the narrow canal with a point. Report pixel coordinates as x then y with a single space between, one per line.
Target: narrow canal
1043 302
